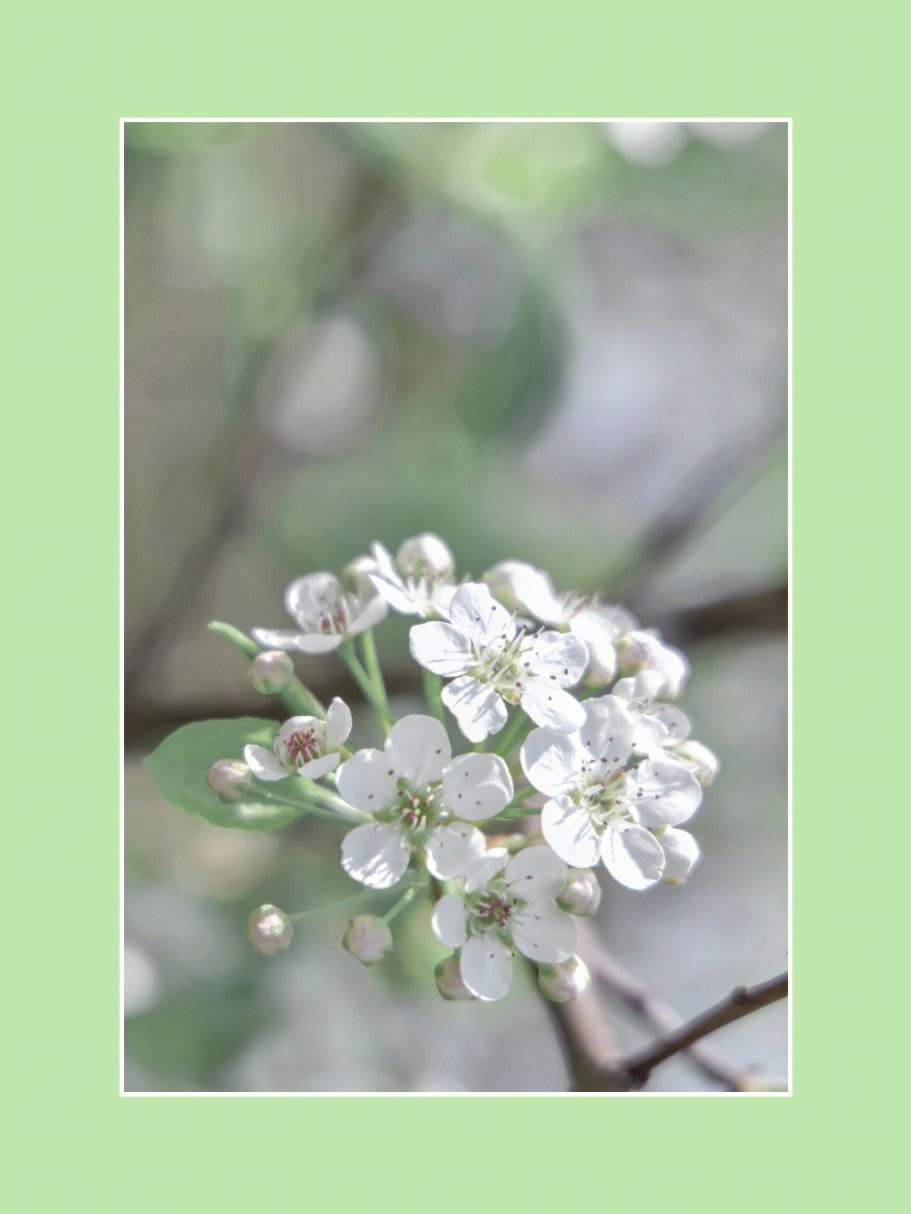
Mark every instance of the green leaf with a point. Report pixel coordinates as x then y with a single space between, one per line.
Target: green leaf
181 762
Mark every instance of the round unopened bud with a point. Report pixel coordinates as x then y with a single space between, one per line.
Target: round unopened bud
270 929
506 581
368 938
581 895
270 672
643 650
681 851
356 574
449 980
704 763
564 980
425 555
229 779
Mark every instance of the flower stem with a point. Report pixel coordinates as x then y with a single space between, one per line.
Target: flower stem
372 665
305 807
401 904
512 734
377 698
432 687
342 904
297 697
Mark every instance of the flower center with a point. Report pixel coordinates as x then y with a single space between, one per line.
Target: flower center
495 909
505 663
335 616
301 746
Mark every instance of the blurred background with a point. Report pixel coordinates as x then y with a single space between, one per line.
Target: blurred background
560 342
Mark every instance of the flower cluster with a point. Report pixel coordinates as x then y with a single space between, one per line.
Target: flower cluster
580 759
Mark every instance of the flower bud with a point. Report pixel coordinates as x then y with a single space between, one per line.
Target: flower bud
564 980
425 555
449 980
506 581
642 650
270 929
368 938
704 763
581 895
356 574
681 851
270 672
229 779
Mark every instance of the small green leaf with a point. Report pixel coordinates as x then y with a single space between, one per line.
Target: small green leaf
181 762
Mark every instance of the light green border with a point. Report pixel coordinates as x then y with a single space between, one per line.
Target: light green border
70 75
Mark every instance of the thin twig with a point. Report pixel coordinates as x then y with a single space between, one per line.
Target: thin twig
665 1020
741 1002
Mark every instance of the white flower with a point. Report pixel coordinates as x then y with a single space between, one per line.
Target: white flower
493 662
641 650
419 581
654 725
681 851
306 746
506 904
419 798
600 810
325 614
524 588
702 762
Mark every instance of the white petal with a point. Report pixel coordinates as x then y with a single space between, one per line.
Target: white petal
477 615
663 791
485 868
308 597
552 762
649 734
269 638
452 849
319 642
418 747
607 734
264 764
674 720
550 706
372 611
486 966
375 854
448 921
560 657
543 932
338 723
681 851
521 585
632 856
368 781
396 594
316 768
535 873
598 635
476 706
441 649
476 786
570 832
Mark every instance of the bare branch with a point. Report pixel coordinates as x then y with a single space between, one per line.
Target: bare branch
741 1002
665 1020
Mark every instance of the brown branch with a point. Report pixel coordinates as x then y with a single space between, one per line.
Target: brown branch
665 1020
741 1002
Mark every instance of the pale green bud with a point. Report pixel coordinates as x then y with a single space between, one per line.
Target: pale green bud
704 763
368 938
229 779
425 555
564 979
581 895
269 929
270 672
356 574
449 980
